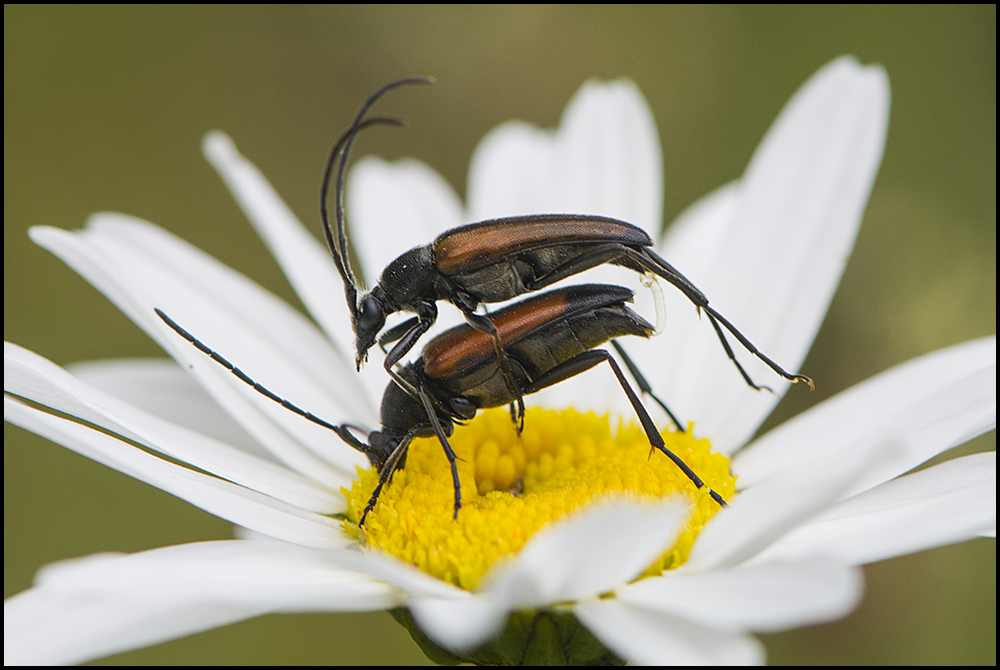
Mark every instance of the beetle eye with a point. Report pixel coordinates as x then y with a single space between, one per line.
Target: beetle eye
370 317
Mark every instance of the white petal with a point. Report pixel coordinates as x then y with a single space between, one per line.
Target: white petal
604 159
221 498
30 376
645 637
924 407
305 262
108 603
139 276
559 563
800 205
228 290
767 597
947 503
162 388
459 624
699 233
609 157
404 576
43 628
452 617
762 514
512 172
393 207
565 562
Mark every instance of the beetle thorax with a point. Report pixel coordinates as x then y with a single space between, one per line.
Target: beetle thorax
407 278
401 412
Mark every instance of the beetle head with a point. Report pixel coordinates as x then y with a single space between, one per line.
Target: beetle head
368 319
367 315
380 447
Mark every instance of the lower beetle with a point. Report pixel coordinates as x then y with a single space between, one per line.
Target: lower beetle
492 261
548 339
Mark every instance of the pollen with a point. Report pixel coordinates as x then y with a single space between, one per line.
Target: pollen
512 486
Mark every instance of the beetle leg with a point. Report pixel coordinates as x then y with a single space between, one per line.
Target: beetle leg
588 359
426 315
599 255
396 332
439 431
484 324
385 473
648 260
643 385
714 317
670 273
345 434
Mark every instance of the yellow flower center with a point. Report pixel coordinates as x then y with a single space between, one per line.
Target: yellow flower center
513 486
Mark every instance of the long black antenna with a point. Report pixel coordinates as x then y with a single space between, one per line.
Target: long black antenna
340 253
246 379
338 246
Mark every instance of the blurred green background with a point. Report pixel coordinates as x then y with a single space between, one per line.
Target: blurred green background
105 108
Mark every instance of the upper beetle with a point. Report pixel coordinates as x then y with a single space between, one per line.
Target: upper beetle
492 261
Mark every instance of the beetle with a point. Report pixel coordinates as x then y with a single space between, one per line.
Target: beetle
492 261
548 338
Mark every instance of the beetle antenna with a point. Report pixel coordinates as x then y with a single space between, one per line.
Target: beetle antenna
343 149
340 251
246 379
343 430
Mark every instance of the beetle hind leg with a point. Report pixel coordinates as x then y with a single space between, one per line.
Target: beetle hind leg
644 386
588 359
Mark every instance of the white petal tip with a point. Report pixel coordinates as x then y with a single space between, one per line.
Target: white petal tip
218 147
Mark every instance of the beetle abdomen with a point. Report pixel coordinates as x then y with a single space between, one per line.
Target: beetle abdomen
582 317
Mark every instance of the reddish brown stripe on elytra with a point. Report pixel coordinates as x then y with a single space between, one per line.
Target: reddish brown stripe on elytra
462 348
482 244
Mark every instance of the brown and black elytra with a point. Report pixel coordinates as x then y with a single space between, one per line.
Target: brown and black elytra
488 262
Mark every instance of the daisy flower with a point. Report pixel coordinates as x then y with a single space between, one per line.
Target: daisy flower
652 574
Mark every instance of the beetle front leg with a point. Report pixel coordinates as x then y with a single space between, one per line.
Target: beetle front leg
385 473
396 332
426 316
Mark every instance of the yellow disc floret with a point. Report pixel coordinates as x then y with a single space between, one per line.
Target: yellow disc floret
512 486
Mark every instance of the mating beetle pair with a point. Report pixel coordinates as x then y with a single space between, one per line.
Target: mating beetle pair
497 358
535 343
